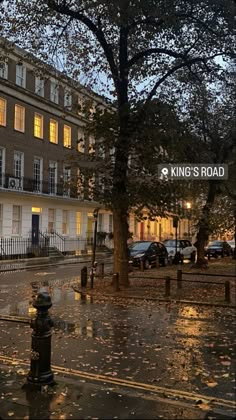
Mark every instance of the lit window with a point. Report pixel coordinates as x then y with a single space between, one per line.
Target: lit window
51 220
3 108
54 91
19 122
80 141
39 86
38 126
20 75
53 132
64 222
67 99
16 220
78 223
67 136
3 70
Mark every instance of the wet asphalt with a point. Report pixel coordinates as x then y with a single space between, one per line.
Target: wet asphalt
175 346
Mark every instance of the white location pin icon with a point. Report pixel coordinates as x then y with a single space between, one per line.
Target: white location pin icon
164 171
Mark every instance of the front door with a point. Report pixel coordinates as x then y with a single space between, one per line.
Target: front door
35 229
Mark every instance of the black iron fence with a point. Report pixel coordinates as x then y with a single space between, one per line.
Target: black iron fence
14 248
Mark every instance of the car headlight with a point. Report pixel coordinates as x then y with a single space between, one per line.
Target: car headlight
139 256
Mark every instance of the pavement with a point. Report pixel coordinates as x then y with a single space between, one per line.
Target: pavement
79 398
86 395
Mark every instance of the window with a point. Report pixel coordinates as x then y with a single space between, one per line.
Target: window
38 126
78 223
37 174
67 99
18 164
39 86
19 122
16 220
51 220
52 177
101 151
3 108
1 211
110 226
2 166
91 144
54 91
20 75
100 222
53 132
80 184
64 222
80 141
3 70
81 105
91 187
67 136
66 181
112 154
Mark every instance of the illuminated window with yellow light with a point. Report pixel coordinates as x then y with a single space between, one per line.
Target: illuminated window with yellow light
67 136
78 223
53 131
3 107
38 126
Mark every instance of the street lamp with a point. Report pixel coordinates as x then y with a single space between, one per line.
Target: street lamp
95 215
188 207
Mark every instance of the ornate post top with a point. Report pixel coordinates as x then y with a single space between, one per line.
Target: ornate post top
43 301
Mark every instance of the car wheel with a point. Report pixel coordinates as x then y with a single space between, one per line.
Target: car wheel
146 264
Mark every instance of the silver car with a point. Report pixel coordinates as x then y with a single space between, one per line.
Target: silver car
182 250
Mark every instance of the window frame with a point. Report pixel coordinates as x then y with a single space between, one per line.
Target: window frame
51 122
21 119
3 112
40 136
16 222
21 77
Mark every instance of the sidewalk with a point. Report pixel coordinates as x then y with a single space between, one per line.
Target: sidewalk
80 399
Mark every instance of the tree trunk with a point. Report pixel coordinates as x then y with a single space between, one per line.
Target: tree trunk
120 245
203 226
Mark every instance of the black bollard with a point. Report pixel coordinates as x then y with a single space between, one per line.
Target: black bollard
83 276
227 291
101 270
115 282
179 279
167 286
40 364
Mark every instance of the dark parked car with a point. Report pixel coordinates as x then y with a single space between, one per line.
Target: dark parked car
147 252
218 248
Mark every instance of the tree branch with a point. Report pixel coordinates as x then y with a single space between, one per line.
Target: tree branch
150 51
96 30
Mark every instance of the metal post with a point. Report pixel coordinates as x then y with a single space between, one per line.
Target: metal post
227 291
91 277
115 282
167 286
84 276
101 270
40 364
95 215
179 279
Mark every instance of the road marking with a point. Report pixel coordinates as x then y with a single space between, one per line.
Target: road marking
169 392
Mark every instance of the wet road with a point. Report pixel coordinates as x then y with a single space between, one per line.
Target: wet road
171 345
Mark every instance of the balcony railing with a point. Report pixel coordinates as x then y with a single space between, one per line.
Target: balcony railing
13 183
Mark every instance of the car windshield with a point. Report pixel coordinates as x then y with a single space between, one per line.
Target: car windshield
139 246
170 243
216 243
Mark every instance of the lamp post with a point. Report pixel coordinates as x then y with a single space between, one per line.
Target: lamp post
188 207
95 215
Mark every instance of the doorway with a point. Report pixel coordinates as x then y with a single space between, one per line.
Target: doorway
35 229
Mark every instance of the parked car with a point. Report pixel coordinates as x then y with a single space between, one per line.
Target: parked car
218 248
147 252
232 245
181 250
